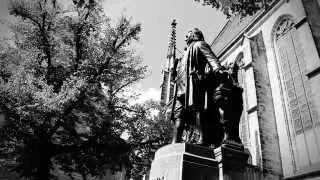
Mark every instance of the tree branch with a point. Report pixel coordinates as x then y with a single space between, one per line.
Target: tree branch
128 109
124 85
131 33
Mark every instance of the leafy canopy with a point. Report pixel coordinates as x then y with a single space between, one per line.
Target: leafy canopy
237 7
62 80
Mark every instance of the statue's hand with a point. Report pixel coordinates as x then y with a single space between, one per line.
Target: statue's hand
222 75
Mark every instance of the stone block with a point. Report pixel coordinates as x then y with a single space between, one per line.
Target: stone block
184 162
192 162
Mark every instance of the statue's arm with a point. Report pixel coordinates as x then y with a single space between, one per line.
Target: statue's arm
210 56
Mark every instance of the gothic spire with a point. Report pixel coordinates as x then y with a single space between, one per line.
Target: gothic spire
172 42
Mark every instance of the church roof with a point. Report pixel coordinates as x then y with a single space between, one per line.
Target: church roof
234 26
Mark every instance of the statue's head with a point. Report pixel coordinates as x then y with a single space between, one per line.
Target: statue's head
194 35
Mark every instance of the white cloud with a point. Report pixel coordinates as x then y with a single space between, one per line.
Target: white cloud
151 93
154 112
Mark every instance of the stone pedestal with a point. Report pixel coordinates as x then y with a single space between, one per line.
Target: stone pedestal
232 162
192 162
184 162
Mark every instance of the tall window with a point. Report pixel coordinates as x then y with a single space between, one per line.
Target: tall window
301 111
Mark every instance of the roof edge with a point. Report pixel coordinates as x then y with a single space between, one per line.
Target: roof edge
221 31
260 15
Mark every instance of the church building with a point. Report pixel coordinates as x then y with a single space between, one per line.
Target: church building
277 50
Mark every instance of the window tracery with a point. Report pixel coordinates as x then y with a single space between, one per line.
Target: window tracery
283 27
296 85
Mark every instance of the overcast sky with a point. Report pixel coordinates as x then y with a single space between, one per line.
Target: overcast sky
156 17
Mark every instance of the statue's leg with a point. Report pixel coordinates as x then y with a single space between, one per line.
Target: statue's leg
201 128
208 122
230 125
179 123
226 125
235 129
227 132
211 127
178 131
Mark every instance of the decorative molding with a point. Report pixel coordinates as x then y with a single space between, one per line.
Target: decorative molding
301 22
252 109
305 173
239 58
247 66
264 17
313 73
283 27
230 50
280 19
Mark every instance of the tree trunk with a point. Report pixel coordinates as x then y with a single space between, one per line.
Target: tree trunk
44 164
44 168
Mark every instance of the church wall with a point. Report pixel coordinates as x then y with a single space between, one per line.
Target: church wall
295 9
312 62
250 98
283 129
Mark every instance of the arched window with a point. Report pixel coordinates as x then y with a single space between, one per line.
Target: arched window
284 25
296 88
293 70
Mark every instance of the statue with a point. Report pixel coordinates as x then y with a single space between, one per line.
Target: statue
228 99
204 93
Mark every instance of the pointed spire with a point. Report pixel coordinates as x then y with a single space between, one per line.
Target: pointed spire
172 42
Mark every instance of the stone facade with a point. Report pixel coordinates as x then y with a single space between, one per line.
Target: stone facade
278 52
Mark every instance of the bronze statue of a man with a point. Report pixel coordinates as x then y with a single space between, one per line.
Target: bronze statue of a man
194 93
228 98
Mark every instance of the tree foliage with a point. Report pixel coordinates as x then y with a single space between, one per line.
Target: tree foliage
146 132
237 7
61 81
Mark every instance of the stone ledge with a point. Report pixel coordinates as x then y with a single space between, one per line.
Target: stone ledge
184 162
183 148
190 162
311 172
231 157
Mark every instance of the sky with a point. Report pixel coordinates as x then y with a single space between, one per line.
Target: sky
155 17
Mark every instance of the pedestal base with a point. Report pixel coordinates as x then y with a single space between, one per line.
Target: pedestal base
184 162
232 162
191 162
231 156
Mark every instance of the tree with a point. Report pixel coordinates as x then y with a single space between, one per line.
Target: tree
237 7
60 85
146 131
